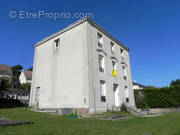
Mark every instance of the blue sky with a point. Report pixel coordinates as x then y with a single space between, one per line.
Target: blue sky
150 28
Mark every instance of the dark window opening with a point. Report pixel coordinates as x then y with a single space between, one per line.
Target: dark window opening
103 98
127 100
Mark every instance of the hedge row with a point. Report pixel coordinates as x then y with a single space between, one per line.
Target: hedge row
166 97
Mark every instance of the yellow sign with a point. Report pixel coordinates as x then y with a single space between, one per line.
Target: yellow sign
114 73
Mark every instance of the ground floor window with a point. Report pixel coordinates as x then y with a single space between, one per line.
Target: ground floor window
103 91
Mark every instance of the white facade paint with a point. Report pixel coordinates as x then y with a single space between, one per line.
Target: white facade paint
69 76
22 78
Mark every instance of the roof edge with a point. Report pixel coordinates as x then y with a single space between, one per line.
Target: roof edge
78 23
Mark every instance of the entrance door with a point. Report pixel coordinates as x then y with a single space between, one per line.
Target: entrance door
116 94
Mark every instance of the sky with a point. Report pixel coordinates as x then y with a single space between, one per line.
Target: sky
150 28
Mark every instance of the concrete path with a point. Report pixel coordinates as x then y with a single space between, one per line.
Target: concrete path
8 122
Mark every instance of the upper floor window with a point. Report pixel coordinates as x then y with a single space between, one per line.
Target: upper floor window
114 65
114 68
124 71
112 48
100 40
122 52
101 63
103 91
57 43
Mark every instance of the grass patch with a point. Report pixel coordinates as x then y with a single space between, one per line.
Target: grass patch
48 124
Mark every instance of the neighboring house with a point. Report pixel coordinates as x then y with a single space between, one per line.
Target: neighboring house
25 77
5 73
137 86
82 68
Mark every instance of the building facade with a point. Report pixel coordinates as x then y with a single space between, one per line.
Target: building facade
81 68
5 73
137 86
25 77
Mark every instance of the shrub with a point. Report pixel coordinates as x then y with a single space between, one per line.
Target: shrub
123 108
26 86
158 97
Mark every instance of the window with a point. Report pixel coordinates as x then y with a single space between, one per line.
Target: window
127 94
101 63
122 52
127 100
56 43
112 48
114 65
114 68
37 94
103 91
100 40
124 72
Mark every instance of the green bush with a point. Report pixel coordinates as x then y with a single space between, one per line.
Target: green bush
26 86
166 97
123 108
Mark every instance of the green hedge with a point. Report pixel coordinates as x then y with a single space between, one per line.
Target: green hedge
166 97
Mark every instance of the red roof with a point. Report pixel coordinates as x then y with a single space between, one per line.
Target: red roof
5 70
28 74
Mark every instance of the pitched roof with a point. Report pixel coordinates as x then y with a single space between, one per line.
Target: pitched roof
28 74
5 70
135 83
78 23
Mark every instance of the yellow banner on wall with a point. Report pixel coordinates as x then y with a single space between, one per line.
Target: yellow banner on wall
114 73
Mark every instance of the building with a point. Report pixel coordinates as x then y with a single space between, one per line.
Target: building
5 73
82 68
25 77
137 86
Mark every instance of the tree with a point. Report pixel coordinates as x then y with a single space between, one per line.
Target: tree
17 70
26 86
4 84
30 69
175 83
16 73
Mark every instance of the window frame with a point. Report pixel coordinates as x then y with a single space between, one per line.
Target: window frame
100 40
101 63
124 67
112 48
103 92
56 43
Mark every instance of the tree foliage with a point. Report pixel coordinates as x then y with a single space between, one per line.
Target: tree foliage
16 70
16 73
30 69
4 84
26 86
166 97
175 83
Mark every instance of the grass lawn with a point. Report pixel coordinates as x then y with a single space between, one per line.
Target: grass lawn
48 124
